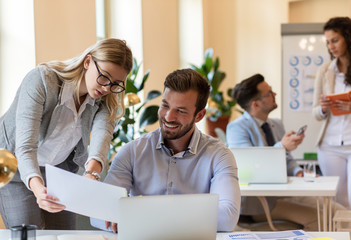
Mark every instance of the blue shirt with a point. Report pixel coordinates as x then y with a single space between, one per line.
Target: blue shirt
147 167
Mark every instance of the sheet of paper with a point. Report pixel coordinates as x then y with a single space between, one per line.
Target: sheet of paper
71 237
83 195
286 235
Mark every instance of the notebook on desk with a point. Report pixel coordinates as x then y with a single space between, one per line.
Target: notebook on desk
261 164
168 217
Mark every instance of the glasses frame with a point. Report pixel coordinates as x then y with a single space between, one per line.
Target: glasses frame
111 84
269 94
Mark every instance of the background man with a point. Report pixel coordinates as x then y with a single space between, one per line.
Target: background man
177 158
255 128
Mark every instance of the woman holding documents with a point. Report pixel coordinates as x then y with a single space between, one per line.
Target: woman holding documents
60 108
332 84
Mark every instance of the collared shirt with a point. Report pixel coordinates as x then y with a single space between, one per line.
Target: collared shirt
338 131
67 133
147 167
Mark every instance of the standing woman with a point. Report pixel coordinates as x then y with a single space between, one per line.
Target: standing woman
60 108
334 141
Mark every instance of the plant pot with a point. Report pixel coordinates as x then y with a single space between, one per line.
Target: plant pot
221 123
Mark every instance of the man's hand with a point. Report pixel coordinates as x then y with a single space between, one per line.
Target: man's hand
44 200
114 226
290 141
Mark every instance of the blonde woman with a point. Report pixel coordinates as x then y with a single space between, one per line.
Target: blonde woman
57 107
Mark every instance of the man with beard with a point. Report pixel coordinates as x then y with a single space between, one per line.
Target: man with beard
178 158
256 97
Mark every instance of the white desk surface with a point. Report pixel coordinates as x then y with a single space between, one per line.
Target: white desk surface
6 234
296 186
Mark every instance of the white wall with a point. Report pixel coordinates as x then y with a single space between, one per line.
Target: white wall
121 12
258 37
17 47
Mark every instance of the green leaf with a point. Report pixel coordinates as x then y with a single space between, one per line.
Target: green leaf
148 116
217 79
135 69
152 94
232 103
216 65
146 75
229 92
130 87
124 137
208 64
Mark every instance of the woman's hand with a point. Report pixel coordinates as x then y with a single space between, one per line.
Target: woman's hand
342 105
45 201
114 226
93 170
325 103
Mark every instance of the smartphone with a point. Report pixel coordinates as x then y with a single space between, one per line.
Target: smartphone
301 130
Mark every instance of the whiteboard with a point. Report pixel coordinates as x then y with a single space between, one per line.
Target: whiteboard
303 52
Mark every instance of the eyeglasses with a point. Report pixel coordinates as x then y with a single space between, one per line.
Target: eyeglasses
270 93
105 81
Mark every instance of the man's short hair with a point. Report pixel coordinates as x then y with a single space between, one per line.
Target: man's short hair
183 80
246 91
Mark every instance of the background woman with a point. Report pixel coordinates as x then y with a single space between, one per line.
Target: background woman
334 141
57 107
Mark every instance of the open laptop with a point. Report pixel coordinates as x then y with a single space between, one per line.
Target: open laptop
261 164
168 217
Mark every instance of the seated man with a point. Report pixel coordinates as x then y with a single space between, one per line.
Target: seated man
254 128
177 158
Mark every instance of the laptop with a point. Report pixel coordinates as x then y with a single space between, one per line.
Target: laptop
168 217
261 164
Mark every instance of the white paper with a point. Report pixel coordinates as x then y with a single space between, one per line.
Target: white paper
83 195
71 237
286 235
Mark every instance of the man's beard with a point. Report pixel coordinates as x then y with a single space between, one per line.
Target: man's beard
169 135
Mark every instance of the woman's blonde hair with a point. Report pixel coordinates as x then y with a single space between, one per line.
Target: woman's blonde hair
109 50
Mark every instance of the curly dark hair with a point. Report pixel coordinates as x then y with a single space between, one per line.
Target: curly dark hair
341 25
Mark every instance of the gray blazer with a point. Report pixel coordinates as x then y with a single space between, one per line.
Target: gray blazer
33 116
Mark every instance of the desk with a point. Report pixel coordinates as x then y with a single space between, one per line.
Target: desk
324 187
6 234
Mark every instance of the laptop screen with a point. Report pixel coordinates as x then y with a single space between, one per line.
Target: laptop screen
168 217
261 164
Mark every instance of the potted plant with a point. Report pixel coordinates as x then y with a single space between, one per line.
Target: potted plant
219 109
136 116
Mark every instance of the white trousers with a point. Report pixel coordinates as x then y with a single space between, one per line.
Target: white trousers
336 161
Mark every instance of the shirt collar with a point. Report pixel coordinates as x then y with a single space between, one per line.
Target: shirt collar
67 95
193 144
259 121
